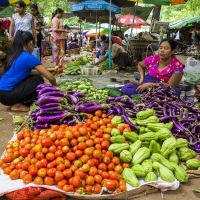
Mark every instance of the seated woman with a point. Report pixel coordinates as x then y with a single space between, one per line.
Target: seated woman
102 50
119 56
17 80
73 44
163 67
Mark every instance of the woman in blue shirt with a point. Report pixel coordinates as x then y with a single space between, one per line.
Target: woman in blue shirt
21 74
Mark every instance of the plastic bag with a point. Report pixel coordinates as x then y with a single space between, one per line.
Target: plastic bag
192 71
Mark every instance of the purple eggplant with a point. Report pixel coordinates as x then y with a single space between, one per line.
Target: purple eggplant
91 109
40 126
51 118
47 89
49 105
43 85
55 93
49 99
197 147
110 99
74 99
48 112
78 94
178 126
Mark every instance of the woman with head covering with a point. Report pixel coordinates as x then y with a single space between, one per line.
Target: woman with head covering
21 21
38 22
58 37
21 74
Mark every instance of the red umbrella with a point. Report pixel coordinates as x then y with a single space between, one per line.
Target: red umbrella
127 20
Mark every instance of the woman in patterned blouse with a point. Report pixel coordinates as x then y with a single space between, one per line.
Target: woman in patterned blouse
163 67
21 21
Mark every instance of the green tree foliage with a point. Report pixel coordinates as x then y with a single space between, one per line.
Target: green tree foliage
177 12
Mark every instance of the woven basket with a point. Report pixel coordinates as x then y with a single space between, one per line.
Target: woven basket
138 46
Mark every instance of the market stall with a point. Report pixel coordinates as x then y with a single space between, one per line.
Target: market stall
86 142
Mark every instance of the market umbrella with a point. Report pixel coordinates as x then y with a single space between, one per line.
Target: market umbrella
130 20
12 2
93 8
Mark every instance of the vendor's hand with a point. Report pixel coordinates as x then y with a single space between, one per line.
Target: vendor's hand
10 38
143 87
141 81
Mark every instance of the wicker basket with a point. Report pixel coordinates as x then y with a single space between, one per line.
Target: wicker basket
138 46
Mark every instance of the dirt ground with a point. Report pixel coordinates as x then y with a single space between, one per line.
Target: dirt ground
184 192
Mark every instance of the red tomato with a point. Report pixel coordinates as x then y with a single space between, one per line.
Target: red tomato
46 142
39 155
67 173
89 180
42 172
102 166
38 180
80 173
51 172
105 144
32 169
71 156
58 153
106 160
96 153
27 179
68 188
97 178
23 152
60 184
92 171
85 167
96 189
76 181
48 180
50 156
111 184
44 162
58 176
81 146
105 175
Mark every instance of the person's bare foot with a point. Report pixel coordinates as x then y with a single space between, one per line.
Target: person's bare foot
20 107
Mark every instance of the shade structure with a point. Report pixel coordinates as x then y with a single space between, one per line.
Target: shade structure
93 9
164 2
120 3
130 20
184 23
7 12
12 2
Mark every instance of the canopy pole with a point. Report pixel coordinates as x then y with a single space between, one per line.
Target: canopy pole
96 33
134 18
109 49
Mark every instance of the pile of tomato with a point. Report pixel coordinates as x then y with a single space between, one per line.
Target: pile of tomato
75 158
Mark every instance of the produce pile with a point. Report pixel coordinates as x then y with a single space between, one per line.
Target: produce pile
86 87
101 152
82 145
184 114
74 67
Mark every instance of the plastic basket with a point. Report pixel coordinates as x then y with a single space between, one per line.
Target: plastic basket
89 71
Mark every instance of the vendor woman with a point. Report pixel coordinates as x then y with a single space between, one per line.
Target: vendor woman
164 67
119 56
18 80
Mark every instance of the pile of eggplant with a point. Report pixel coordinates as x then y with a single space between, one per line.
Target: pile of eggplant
184 115
57 107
